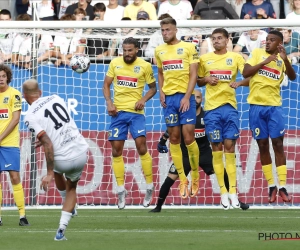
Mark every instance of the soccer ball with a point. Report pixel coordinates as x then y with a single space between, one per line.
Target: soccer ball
80 63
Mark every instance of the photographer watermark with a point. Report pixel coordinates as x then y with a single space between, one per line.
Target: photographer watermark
279 236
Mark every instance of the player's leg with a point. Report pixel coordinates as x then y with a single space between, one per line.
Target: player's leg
168 183
276 130
137 126
73 170
12 165
258 117
214 130
230 134
118 131
61 187
188 121
171 116
0 199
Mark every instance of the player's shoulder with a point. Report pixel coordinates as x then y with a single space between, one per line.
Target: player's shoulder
207 56
234 55
117 60
14 91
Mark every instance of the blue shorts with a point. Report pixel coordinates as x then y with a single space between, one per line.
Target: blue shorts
172 115
118 129
9 159
222 123
266 121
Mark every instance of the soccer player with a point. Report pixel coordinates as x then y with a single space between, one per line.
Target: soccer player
205 161
129 74
266 67
64 146
10 112
177 64
216 71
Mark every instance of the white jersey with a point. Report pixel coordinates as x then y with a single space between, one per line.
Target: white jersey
68 45
44 9
6 42
50 114
112 15
180 11
245 41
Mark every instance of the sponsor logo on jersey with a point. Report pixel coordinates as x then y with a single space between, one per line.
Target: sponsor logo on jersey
136 69
5 100
18 97
202 121
279 63
269 72
179 51
209 62
119 67
223 75
195 56
199 132
229 61
125 81
3 114
173 65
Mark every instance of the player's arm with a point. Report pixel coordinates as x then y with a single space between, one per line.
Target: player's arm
252 67
288 67
111 108
139 105
49 154
162 95
244 82
185 101
13 123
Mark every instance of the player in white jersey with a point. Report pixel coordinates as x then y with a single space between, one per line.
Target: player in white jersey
64 146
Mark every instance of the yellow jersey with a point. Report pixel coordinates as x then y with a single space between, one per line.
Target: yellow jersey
175 62
129 82
225 68
10 101
265 84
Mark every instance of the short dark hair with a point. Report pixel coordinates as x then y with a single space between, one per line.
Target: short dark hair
5 12
163 16
8 72
168 20
67 17
277 33
126 18
131 40
23 17
99 7
222 31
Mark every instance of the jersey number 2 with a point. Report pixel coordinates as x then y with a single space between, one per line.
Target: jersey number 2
65 118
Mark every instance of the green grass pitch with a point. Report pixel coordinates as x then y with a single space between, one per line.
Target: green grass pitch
136 229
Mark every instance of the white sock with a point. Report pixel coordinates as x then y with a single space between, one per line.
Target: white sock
63 194
120 188
149 186
64 219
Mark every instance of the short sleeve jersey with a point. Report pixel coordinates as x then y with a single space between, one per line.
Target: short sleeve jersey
10 101
50 114
175 61
129 81
265 84
225 68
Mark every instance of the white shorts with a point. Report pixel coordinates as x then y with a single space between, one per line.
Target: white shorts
71 168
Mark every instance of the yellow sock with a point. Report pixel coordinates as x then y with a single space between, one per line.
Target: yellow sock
231 171
219 170
194 155
176 154
146 161
0 198
19 198
119 169
267 169
282 172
